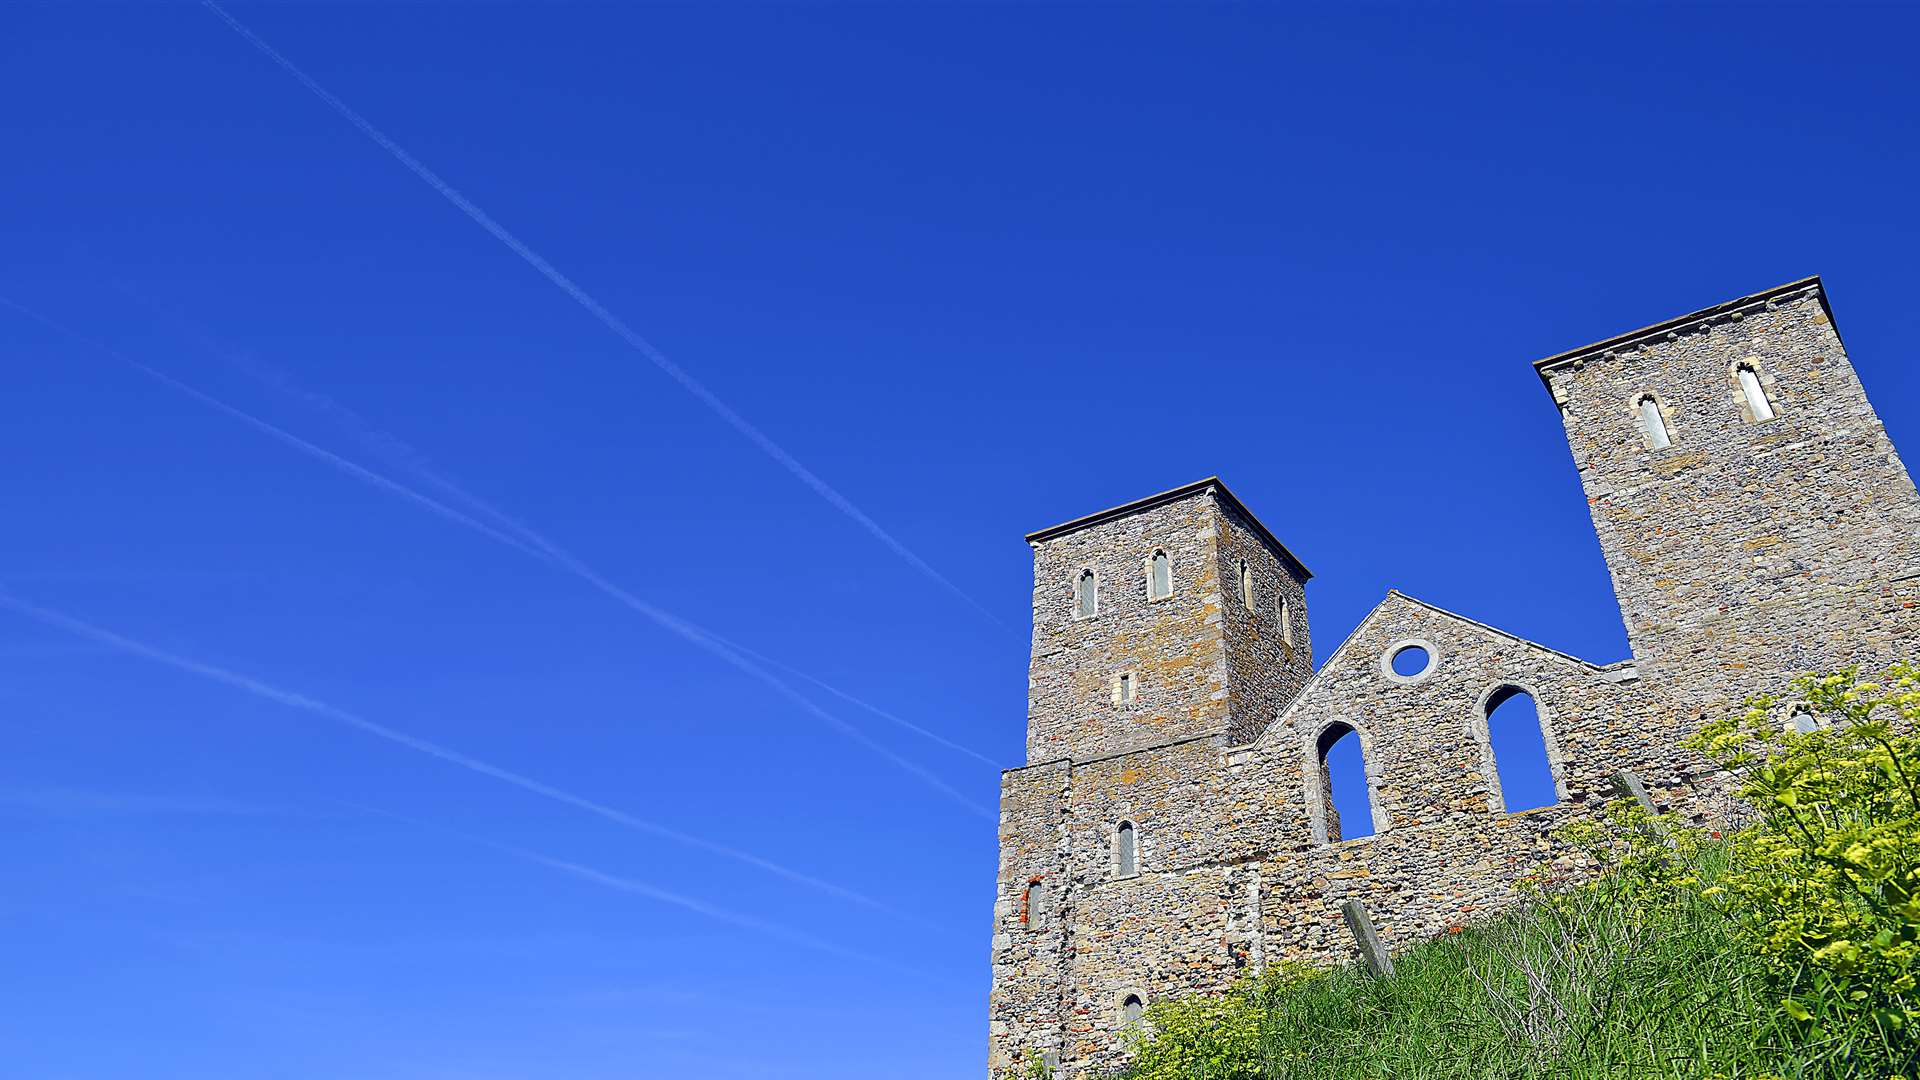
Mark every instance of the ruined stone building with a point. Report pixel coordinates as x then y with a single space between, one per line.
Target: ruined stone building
1172 828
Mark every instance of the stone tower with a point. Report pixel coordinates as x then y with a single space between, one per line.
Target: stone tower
1172 616
1170 832
1754 516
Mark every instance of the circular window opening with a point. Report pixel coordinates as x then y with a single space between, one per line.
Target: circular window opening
1411 661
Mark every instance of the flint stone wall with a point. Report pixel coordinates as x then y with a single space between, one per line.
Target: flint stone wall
1743 554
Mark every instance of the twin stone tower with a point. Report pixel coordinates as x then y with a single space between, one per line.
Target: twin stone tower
1173 828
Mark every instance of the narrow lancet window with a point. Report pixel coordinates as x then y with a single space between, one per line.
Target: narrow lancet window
1159 577
1086 595
1124 688
1126 857
1286 625
1037 906
1758 406
1652 424
1246 584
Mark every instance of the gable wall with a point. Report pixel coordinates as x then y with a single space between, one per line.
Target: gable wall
1231 877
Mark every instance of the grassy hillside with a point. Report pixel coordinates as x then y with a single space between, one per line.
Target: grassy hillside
1785 950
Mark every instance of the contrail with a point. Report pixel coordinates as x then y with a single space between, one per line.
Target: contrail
869 706
727 651
597 310
325 456
413 742
528 542
404 455
650 891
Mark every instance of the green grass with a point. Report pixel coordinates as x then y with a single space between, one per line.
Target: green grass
1583 986
1790 950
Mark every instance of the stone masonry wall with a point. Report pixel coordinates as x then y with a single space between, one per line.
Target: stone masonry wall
1172 646
1786 544
1264 669
1230 873
1741 555
1193 658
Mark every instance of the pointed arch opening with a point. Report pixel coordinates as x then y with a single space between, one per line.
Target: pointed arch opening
1340 795
1516 742
1246 584
1086 595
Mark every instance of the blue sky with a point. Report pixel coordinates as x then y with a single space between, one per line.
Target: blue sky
484 809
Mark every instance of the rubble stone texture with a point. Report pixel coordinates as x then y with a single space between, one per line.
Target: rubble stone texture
1742 554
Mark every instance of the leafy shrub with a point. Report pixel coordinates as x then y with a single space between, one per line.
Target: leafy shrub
1827 882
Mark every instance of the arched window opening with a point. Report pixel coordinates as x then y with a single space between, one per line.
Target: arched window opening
1758 406
1131 1010
1345 803
1126 856
1159 576
1036 905
1519 748
1086 595
1286 624
1652 425
1125 687
1802 721
1246 584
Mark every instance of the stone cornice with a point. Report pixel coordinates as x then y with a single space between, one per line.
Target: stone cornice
1211 485
1732 309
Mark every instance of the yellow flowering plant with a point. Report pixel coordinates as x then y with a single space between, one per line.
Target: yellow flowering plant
1827 880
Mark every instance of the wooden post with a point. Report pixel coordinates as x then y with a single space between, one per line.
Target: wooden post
1372 953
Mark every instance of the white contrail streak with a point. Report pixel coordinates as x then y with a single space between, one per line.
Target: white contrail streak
597 310
869 706
404 455
650 891
413 742
528 542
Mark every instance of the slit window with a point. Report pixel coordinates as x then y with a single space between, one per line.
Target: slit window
1086 593
1758 407
1125 688
1286 625
1246 584
1036 913
1159 576
1126 855
1653 426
